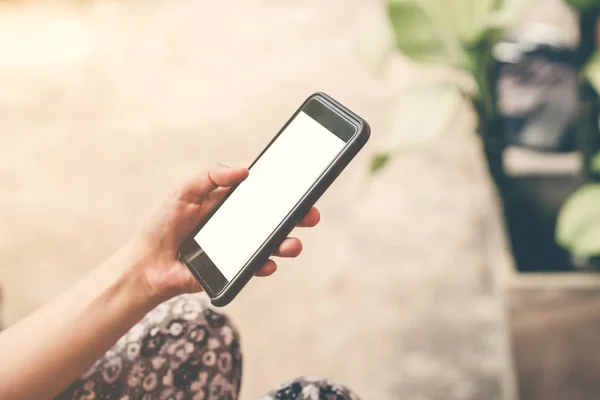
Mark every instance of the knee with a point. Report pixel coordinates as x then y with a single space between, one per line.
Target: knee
191 319
187 327
200 345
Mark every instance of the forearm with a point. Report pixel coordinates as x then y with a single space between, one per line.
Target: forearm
43 354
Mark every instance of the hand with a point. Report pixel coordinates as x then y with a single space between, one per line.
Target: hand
157 245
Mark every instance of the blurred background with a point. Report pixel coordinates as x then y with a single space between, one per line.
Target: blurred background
457 255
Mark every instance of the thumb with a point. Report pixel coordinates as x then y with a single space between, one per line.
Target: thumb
214 177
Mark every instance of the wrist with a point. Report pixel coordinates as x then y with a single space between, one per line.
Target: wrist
129 265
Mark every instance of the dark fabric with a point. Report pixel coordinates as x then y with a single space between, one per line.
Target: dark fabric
183 349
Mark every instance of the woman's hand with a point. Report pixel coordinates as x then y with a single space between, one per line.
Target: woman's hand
59 342
157 245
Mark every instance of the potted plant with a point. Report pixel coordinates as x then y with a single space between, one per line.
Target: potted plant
578 225
461 35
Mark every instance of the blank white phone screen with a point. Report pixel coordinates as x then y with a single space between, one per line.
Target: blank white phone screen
277 181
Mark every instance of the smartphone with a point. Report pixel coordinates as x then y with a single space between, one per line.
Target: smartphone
288 177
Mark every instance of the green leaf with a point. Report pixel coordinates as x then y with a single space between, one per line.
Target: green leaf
591 71
595 163
510 13
378 162
422 35
578 224
420 116
588 245
442 31
467 19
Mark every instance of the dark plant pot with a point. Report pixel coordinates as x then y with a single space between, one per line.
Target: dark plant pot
531 205
595 262
537 101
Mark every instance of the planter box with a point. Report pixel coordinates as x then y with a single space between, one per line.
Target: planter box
554 322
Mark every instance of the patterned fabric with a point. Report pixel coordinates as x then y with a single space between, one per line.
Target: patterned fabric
310 388
183 349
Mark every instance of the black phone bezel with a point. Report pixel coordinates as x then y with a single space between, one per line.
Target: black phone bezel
336 118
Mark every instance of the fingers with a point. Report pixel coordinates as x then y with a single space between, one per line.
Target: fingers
268 269
194 285
311 218
290 247
214 177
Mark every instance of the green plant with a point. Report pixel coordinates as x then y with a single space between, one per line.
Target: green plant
458 34
578 223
